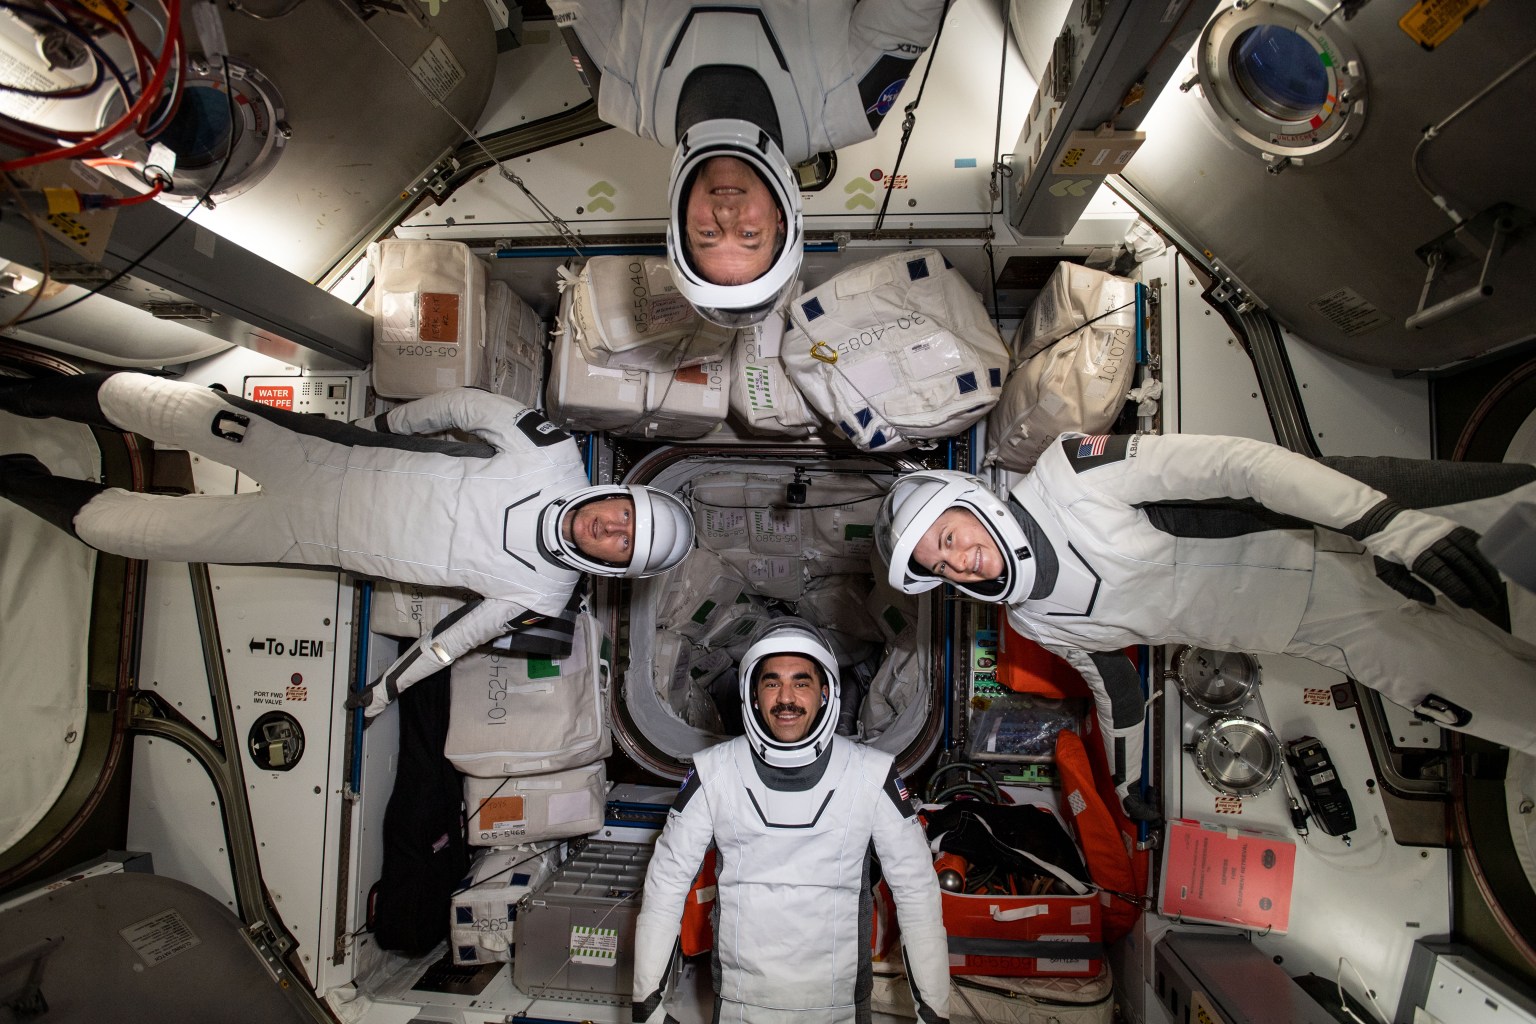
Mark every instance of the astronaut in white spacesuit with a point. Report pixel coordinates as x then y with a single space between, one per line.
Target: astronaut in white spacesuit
743 92
1112 541
512 518
792 810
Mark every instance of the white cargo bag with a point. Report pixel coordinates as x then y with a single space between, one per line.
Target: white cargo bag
685 403
533 808
697 594
482 922
893 611
1076 384
585 397
762 395
406 609
428 316
841 511
986 1000
521 715
681 666
1073 298
838 605
896 351
893 711
628 314
514 345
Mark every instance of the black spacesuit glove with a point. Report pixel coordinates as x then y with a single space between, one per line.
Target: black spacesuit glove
1454 566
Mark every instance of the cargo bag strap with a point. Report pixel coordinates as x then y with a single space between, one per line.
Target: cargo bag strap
1040 949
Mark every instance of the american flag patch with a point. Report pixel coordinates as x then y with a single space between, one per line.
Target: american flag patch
1090 446
901 789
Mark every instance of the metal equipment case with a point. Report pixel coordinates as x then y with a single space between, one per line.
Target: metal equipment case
576 938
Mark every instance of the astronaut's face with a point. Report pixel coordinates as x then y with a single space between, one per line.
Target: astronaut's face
604 529
789 694
958 547
732 222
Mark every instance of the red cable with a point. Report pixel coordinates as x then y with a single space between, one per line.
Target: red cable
135 200
134 113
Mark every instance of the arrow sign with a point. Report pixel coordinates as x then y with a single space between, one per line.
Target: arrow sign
858 185
1069 187
600 204
258 646
858 201
602 188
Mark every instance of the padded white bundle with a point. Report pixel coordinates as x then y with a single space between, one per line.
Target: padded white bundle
762 394
519 715
698 593
839 605
747 510
514 345
428 316
628 314
891 610
585 397
986 1000
482 923
896 351
1032 1000
1079 384
680 666
731 633
405 609
1072 297
685 403
841 514
532 808
887 714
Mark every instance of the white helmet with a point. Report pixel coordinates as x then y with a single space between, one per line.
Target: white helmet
735 305
912 505
788 636
663 531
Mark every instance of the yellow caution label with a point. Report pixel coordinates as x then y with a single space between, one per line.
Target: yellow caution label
62 200
1431 22
112 10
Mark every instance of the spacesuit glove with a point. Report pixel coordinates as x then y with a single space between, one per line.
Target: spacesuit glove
1437 550
1454 566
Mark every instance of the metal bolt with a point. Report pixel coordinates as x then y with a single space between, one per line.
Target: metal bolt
285 129
1526 807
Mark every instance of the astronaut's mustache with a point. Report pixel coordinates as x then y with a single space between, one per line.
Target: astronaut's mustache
779 709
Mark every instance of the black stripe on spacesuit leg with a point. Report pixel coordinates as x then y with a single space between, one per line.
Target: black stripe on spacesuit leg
641 1012
925 1013
1430 483
1122 684
338 432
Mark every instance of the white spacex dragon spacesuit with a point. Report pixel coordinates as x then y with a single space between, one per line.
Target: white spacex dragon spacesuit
793 825
383 503
771 83
1124 540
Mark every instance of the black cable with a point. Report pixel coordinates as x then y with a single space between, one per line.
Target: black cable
910 121
229 153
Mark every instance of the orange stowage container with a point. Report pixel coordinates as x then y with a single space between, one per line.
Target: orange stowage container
698 933
1025 667
1024 936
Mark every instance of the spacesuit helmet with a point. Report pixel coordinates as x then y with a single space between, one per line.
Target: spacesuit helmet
793 636
915 502
663 532
750 302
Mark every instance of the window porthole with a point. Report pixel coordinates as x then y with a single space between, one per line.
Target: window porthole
1280 73
1276 85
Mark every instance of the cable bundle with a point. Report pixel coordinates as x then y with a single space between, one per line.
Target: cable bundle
150 88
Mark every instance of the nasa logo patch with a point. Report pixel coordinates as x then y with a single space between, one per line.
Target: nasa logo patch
887 99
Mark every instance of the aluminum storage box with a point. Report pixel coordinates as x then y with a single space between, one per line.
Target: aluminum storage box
576 938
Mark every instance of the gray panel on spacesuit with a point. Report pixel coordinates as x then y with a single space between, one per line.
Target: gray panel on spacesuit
138 947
